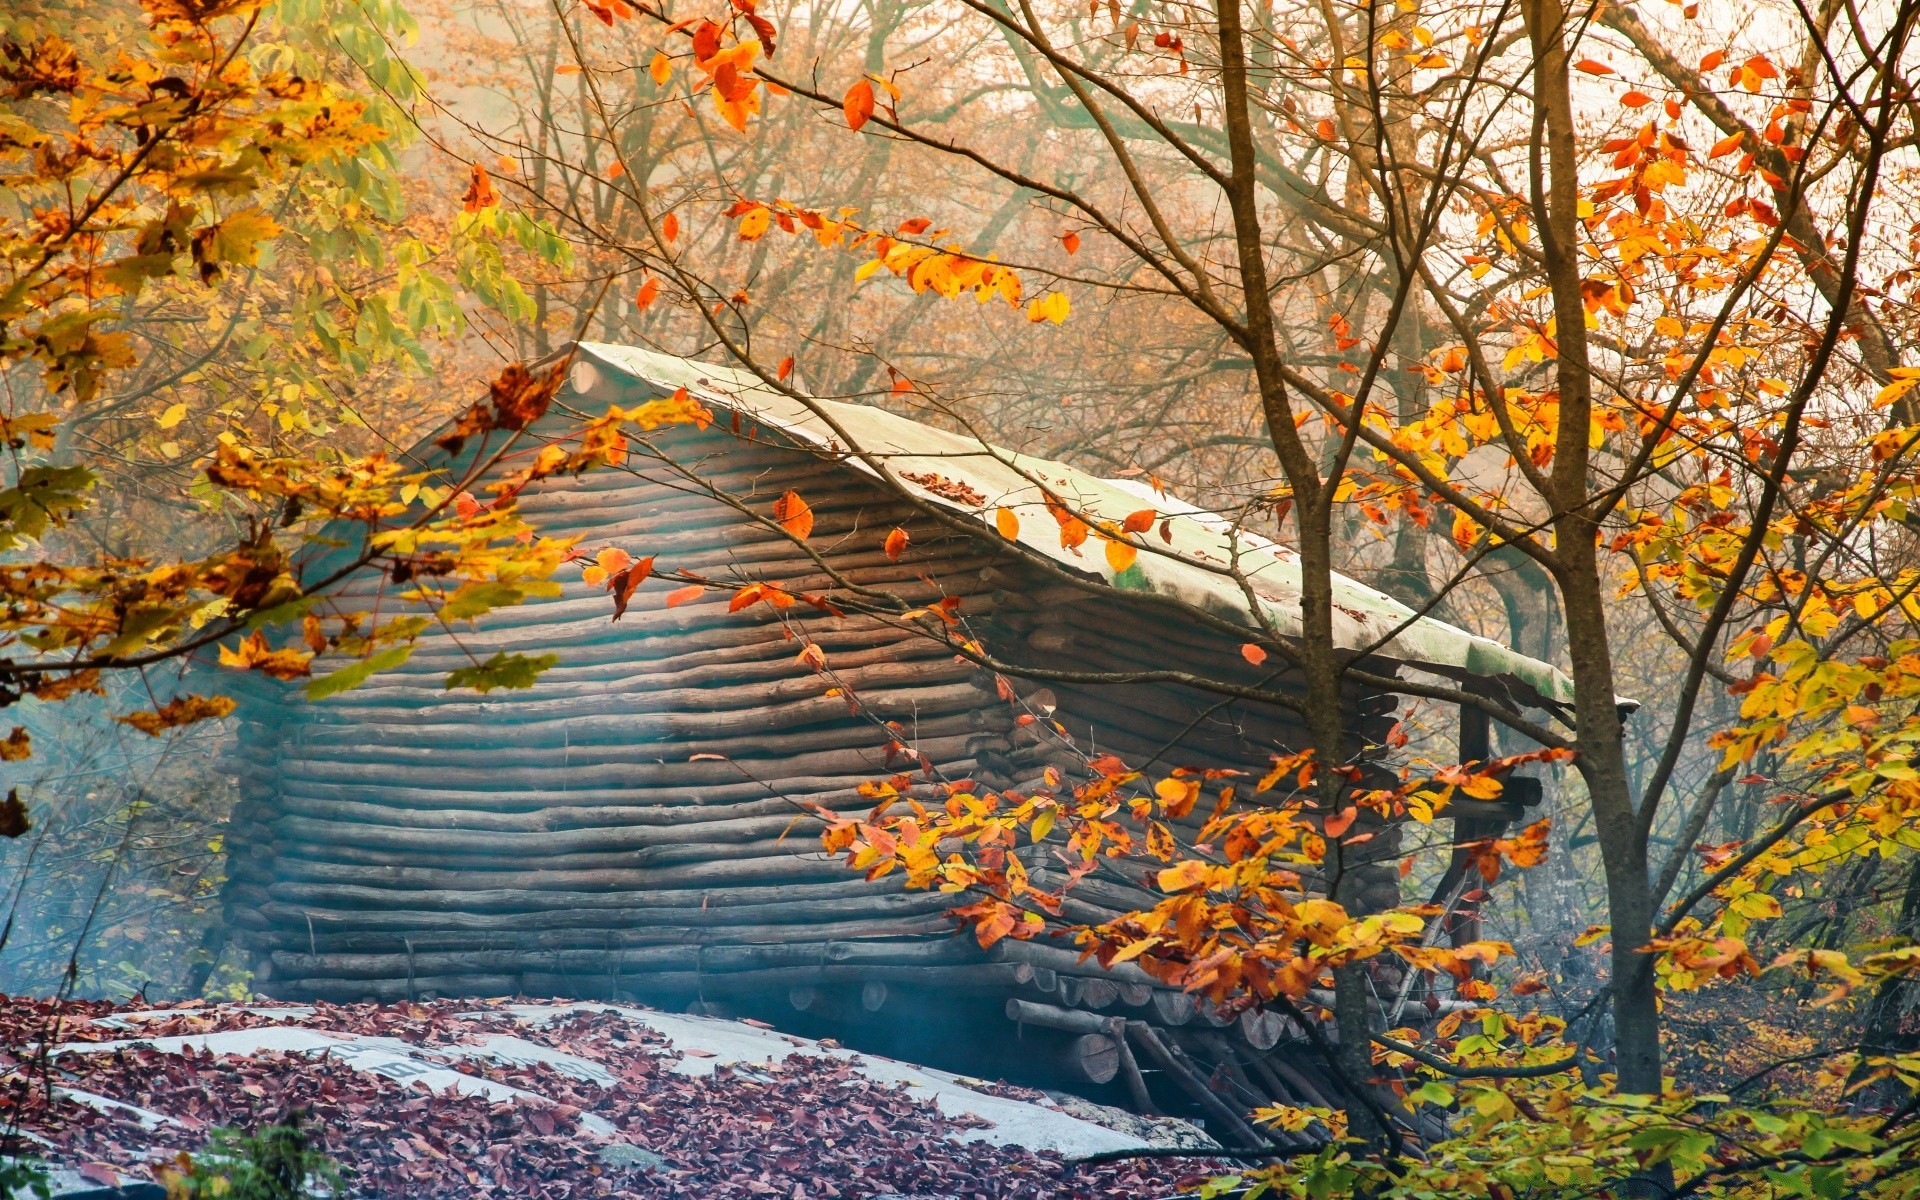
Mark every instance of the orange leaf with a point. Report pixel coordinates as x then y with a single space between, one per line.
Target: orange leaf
679 596
661 68
1727 145
1593 68
745 596
896 544
616 170
786 366
1340 822
793 514
670 227
1324 128
648 293
1071 241
1138 522
1713 60
480 192
858 105
1008 523
1120 555
1253 653
1636 100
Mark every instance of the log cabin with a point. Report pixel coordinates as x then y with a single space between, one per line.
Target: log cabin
626 828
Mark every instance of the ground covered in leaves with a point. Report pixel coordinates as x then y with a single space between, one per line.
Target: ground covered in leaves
806 1127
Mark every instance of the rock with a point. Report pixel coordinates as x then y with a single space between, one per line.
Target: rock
1167 1133
620 1154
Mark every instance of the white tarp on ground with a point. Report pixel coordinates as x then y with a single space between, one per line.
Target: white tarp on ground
702 1043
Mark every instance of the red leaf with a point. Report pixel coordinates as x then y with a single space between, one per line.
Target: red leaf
670 227
1253 653
648 293
1071 241
1138 522
627 582
858 105
1593 68
786 366
896 544
1636 100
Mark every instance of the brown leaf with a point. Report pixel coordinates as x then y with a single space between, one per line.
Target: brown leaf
520 398
18 745
183 710
13 815
478 419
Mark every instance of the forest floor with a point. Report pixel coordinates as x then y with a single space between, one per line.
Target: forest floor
462 1098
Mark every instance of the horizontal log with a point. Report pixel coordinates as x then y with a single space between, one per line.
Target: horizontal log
464 826
1068 962
843 895
985 978
778 868
716 959
339 933
1051 1016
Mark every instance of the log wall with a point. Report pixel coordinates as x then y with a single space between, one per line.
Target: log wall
579 838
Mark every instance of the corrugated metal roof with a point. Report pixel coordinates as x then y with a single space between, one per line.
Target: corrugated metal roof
971 477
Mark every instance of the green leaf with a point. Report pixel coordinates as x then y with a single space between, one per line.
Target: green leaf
349 677
43 497
503 670
479 597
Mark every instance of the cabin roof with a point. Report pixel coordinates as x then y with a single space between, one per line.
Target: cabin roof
976 479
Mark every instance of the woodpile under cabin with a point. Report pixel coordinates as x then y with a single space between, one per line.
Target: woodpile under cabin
626 828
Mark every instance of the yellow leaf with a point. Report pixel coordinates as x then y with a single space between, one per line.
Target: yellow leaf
754 224
867 269
1182 876
1120 555
173 416
1043 824
1136 949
